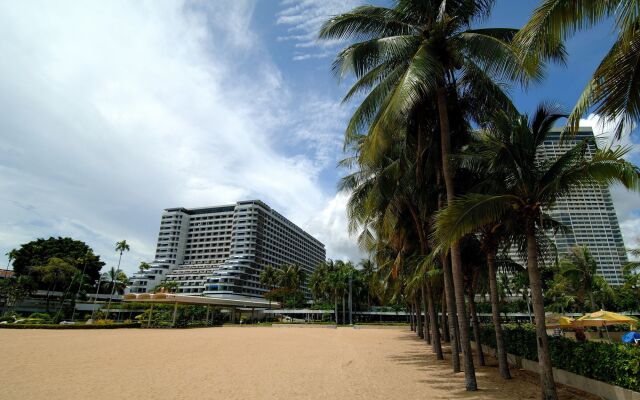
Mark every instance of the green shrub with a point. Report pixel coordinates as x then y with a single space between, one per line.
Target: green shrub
34 321
614 363
76 326
40 315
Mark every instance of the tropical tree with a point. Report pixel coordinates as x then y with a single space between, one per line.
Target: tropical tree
511 147
417 50
290 278
121 247
614 87
11 255
144 266
368 272
56 273
15 289
318 281
580 268
166 286
39 251
114 281
336 285
269 278
628 296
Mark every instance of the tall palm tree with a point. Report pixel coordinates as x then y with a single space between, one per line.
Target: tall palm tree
580 268
613 89
290 278
336 285
511 146
420 48
121 247
11 255
269 277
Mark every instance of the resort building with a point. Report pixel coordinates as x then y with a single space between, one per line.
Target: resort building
220 251
590 214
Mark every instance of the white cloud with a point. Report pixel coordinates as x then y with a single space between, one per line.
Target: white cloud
112 111
331 226
303 19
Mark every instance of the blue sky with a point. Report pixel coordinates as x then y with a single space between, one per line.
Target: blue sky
112 111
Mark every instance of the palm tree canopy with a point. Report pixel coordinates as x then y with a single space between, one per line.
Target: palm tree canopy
408 51
510 148
614 89
122 246
144 266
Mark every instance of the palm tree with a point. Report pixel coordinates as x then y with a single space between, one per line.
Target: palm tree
290 278
580 268
166 286
11 255
114 281
317 282
121 247
368 270
56 272
268 277
415 50
144 266
614 87
336 285
511 147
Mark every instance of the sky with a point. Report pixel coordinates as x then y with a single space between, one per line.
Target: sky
112 111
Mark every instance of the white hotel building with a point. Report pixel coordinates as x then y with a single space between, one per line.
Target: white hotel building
590 214
220 251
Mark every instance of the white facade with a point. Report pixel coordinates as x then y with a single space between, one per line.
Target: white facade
590 214
220 251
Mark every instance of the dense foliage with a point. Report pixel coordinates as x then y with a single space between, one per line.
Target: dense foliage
74 326
38 252
617 364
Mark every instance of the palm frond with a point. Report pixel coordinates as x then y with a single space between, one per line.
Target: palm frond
466 214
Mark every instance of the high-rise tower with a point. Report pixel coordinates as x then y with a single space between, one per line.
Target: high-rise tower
590 214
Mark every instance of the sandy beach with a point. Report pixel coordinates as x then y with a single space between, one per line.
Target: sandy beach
239 363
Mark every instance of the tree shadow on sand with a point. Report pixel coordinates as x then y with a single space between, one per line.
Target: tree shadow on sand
439 377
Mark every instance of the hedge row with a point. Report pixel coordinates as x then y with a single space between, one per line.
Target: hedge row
614 363
76 326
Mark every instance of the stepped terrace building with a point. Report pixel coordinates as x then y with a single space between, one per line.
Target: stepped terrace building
220 251
590 214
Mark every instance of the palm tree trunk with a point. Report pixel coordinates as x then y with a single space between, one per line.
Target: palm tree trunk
411 325
113 289
420 326
495 314
456 261
335 299
344 313
425 302
594 307
451 314
433 316
544 358
443 318
476 328
49 290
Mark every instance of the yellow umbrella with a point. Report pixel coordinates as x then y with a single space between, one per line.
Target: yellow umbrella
558 321
604 318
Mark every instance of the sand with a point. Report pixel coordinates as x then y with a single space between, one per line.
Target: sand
239 363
